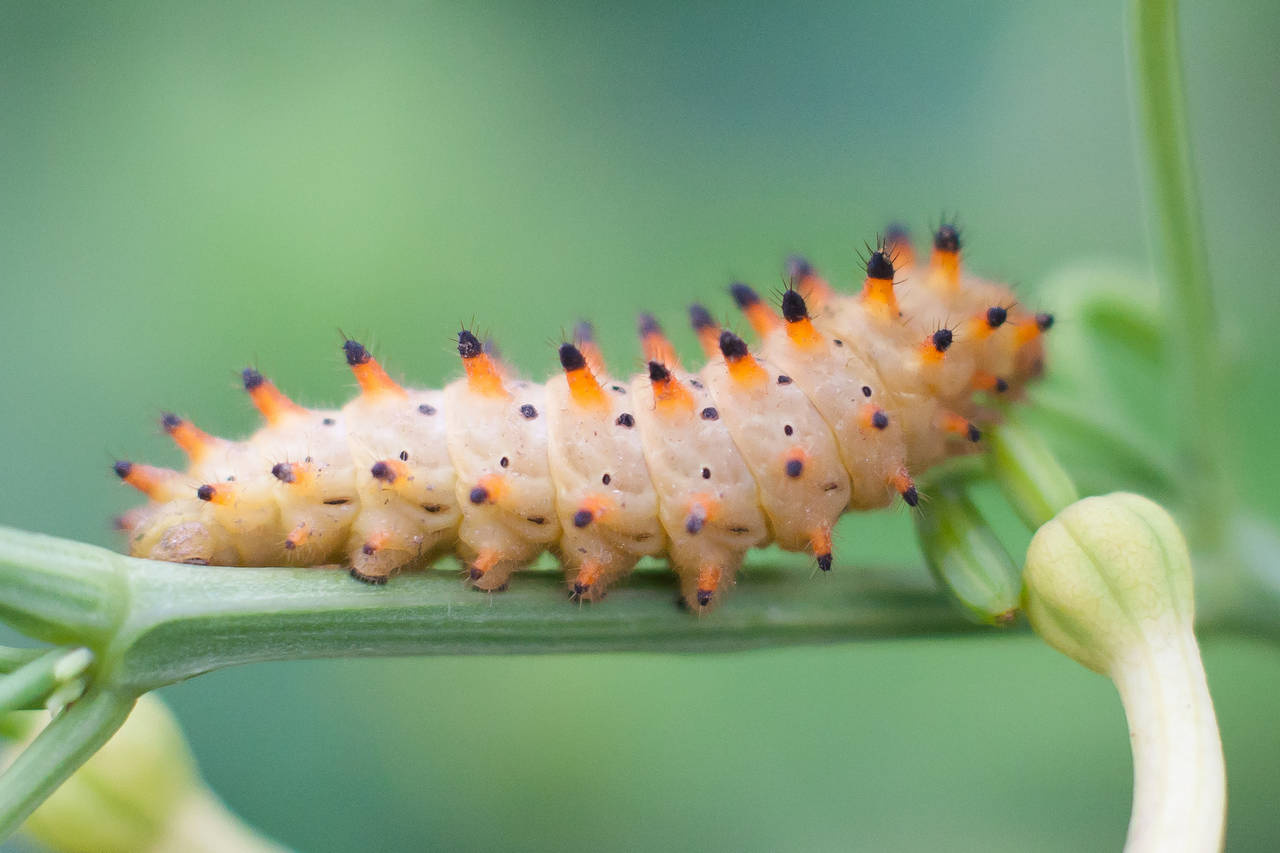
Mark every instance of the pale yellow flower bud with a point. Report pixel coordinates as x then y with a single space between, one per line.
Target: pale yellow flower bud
1108 583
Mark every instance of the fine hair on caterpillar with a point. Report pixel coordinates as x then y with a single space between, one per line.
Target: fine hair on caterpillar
842 398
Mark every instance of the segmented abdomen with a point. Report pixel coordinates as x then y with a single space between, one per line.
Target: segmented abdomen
845 396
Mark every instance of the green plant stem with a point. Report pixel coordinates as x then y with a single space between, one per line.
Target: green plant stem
11 658
1029 474
65 744
29 685
1181 258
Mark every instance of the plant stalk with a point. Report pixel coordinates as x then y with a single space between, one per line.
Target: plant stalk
1178 246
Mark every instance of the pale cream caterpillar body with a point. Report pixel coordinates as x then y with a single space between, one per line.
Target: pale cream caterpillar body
844 398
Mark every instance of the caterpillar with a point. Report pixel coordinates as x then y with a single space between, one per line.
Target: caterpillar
844 397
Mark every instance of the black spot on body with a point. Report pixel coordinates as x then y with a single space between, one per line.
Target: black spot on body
528 411
328 422
582 518
337 501
606 479
617 389
625 420
880 420
706 473
427 409
695 384
710 414
787 430
432 508
866 390
404 456
479 495
784 379
382 471
794 468
504 462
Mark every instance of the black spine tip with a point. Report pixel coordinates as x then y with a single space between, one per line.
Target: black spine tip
475 574
797 268
648 325
694 523
205 492
289 544
368 549
996 315
579 589
170 421
700 317
122 468
732 346
974 434
911 496
795 468
793 307
582 518
658 373
824 562
879 266
897 234
479 495
356 353
942 340
947 239
469 345
571 357
1002 385
1044 322
743 295
880 420
252 378
283 472
382 471
704 597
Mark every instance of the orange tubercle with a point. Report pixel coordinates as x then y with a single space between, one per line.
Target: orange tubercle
372 378
490 489
959 426
743 368
486 559
220 494
195 442
669 394
268 399
298 536
759 315
155 483
655 344
879 298
483 375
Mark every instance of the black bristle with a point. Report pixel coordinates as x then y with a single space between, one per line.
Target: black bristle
879 266
657 372
793 307
743 295
469 345
571 357
732 346
252 378
356 353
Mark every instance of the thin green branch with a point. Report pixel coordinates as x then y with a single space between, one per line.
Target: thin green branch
31 685
1181 258
65 744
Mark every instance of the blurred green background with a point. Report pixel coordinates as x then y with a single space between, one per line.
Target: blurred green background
185 189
